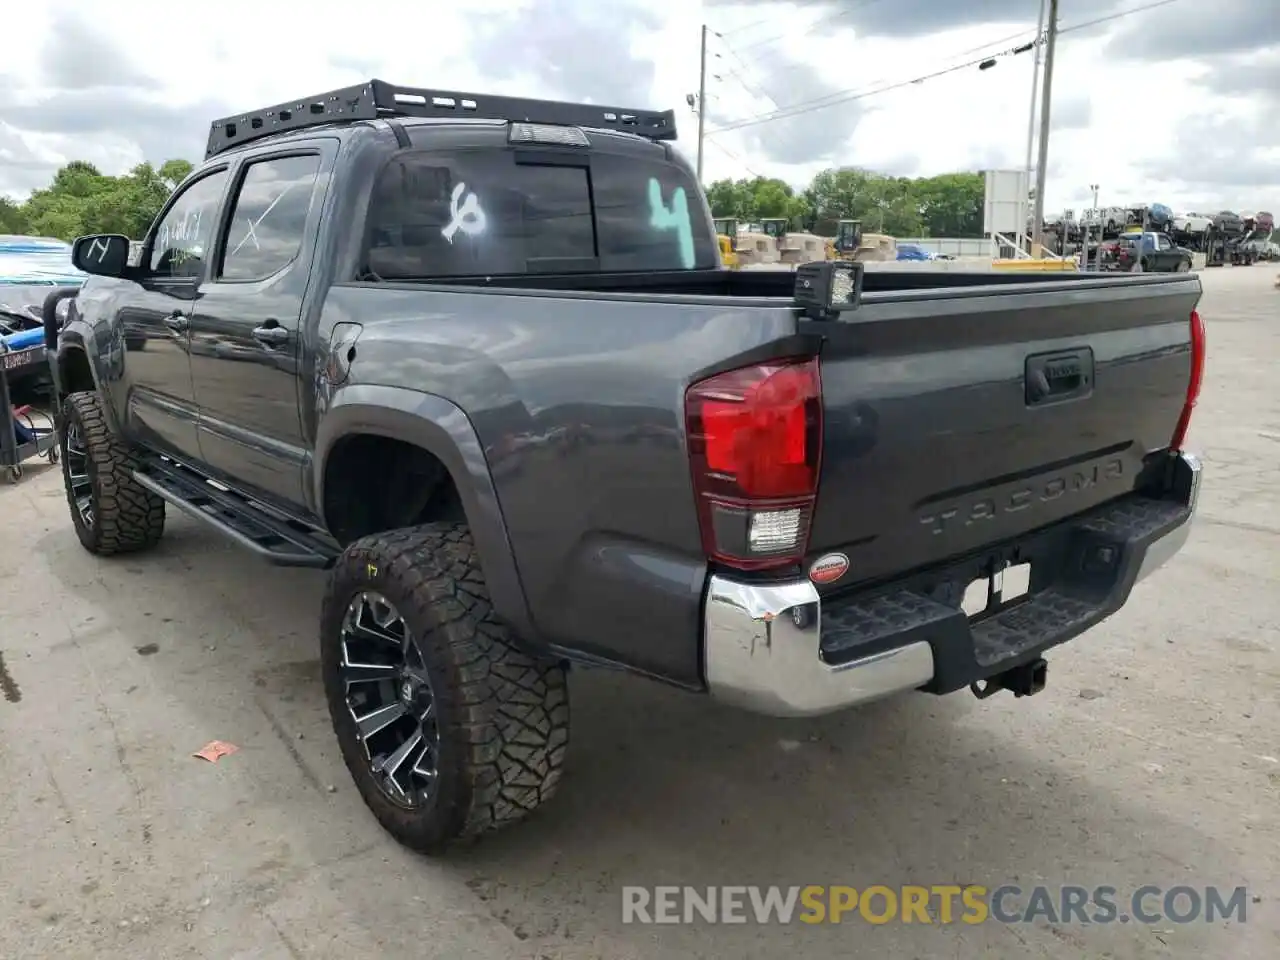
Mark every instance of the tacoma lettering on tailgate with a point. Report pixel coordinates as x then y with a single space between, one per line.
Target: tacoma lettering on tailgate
989 505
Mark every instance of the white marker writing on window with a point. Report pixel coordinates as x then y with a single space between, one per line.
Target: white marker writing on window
251 229
467 216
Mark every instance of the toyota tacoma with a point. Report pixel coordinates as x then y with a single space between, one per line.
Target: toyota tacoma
477 358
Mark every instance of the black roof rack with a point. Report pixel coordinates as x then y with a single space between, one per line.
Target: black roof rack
377 98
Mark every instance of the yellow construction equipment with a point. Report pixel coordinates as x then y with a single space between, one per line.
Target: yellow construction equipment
848 238
775 227
727 234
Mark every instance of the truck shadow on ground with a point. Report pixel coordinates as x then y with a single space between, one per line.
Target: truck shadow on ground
665 787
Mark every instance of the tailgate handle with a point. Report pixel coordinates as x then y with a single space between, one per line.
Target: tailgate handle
1053 377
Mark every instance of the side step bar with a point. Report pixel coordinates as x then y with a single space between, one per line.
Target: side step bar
276 540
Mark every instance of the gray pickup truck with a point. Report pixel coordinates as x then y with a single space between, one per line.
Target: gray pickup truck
477 357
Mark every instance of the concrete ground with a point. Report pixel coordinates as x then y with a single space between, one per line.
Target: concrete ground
1152 757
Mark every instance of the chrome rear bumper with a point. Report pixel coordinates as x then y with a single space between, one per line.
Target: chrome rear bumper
763 641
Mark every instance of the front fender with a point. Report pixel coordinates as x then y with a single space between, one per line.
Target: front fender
442 429
77 337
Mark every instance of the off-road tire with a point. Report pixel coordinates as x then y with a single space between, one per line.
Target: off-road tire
127 516
502 715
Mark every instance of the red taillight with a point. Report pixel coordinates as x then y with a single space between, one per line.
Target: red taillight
755 446
1196 381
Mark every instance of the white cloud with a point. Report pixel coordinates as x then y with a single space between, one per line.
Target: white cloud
1138 108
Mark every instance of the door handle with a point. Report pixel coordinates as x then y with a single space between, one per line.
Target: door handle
273 335
1059 376
177 322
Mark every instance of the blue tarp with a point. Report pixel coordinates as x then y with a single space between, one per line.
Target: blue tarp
911 251
23 339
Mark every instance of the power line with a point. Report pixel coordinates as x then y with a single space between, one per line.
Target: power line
1116 16
829 18
758 90
733 156
746 26
847 96
751 88
994 43
791 68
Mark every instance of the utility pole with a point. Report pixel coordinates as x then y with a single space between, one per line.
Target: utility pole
1046 103
1035 83
1088 230
702 100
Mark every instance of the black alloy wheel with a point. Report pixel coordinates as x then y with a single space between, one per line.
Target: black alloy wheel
390 699
79 485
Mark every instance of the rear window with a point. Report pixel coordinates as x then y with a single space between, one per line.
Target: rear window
480 212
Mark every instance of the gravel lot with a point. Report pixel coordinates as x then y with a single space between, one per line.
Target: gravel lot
1152 757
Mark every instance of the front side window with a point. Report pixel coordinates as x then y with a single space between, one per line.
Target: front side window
184 236
479 212
269 217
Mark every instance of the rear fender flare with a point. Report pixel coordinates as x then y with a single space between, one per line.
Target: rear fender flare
441 428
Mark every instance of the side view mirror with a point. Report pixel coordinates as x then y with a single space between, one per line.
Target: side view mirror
103 254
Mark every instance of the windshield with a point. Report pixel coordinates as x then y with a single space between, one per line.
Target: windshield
479 212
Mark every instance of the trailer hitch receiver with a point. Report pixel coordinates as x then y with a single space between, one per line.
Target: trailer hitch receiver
1025 680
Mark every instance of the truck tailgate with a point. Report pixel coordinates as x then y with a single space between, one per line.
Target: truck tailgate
955 420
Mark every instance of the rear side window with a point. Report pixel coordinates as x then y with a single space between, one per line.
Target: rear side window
479 212
269 217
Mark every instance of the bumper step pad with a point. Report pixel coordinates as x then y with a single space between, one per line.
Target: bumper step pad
1083 571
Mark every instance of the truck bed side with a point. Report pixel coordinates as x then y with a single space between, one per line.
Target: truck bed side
578 404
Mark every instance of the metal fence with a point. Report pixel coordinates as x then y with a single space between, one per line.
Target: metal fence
954 247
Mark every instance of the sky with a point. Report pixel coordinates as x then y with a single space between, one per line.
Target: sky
1176 104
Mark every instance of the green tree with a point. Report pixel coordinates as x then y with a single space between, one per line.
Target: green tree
731 198
82 200
771 200
12 217
944 206
173 172
951 204
761 197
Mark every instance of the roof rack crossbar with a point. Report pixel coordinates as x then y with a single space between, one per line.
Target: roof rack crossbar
377 98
